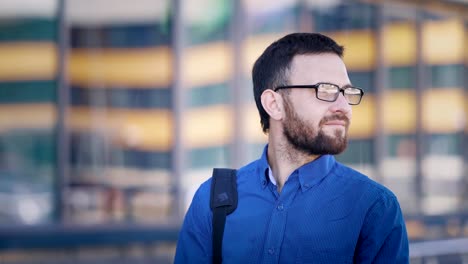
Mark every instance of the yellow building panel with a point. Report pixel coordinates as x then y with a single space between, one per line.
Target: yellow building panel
399 44
444 42
360 48
207 64
363 121
252 128
27 116
137 129
28 61
145 67
399 111
206 127
444 110
466 112
253 47
466 47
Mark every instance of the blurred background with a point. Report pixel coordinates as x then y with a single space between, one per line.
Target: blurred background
113 112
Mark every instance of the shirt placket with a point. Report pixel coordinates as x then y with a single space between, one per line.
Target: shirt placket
277 225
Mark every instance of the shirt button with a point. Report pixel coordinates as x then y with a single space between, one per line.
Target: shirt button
263 182
280 207
271 251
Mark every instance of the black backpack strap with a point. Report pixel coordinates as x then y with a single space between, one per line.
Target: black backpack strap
223 201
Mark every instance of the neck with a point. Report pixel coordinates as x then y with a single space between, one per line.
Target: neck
284 159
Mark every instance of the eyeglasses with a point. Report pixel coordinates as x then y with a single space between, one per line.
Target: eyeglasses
329 92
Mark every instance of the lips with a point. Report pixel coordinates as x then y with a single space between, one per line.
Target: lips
335 120
336 123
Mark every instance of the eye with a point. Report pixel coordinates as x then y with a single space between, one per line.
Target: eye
352 91
327 88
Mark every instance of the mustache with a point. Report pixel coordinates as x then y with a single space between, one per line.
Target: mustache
341 117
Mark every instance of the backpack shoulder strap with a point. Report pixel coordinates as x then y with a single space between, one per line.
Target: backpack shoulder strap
223 201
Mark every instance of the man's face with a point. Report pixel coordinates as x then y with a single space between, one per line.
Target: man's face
313 126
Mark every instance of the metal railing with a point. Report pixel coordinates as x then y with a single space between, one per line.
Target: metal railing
83 245
450 251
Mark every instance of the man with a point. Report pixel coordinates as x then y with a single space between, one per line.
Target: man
296 203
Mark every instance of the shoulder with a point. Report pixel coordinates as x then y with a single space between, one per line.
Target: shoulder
378 204
382 233
202 195
201 198
373 190
244 173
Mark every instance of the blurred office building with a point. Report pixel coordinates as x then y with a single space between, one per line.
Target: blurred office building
113 112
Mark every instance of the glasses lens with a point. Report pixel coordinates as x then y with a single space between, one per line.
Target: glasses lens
327 92
353 95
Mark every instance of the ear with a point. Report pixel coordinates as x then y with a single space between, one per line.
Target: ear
272 102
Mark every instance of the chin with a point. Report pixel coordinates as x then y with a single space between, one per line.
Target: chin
336 133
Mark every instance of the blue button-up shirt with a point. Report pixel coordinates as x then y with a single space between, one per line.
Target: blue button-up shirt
325 213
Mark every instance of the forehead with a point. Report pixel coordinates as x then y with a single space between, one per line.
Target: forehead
314 68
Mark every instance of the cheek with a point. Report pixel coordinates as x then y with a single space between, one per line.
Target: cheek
312 110
313 119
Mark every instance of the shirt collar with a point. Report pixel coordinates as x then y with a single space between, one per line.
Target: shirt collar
270 176
263 166
309 174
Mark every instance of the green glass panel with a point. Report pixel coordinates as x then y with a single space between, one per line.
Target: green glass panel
445 144
401 78
208 157
447 75
28 30
30 148
359 151
28 92
209 22
363 80
209 95
401 145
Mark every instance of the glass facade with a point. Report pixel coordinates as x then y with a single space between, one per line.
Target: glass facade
106 152
119 113
28 116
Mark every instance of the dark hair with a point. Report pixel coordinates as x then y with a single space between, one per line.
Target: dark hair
272 67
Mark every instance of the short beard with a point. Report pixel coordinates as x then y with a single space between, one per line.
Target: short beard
304 138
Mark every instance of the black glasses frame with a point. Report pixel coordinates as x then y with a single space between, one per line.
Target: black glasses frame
316 86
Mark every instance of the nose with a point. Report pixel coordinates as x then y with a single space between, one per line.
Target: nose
341 105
